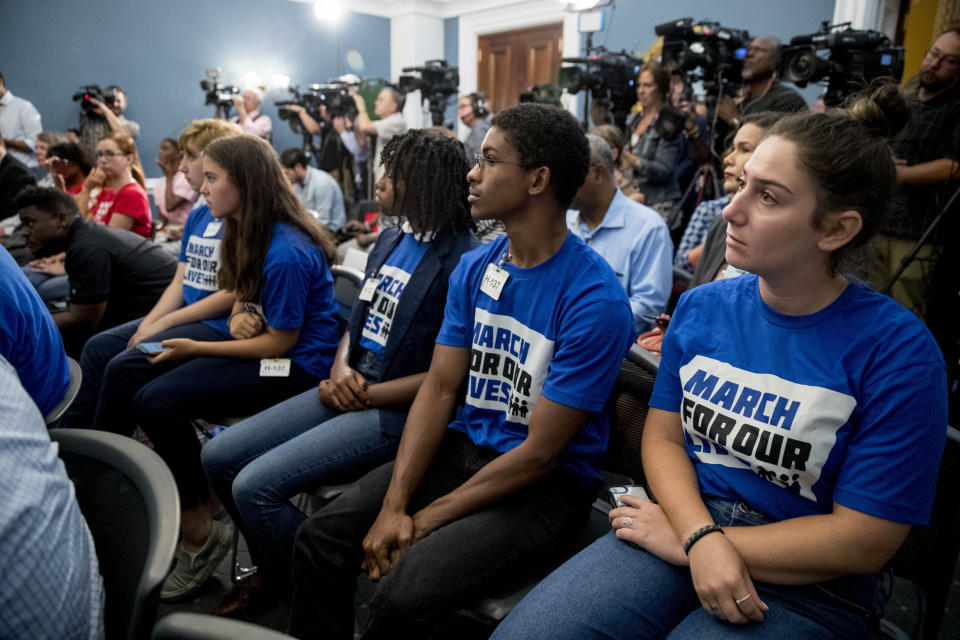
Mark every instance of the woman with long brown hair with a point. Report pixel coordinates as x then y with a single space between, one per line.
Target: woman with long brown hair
274 258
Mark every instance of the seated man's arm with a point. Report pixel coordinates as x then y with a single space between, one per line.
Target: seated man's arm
81 316
930 172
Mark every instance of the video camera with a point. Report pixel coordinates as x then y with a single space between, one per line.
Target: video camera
218 95
94 91
856 57
715 50
437 82
610 77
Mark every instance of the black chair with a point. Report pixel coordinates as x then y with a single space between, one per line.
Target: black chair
197 626
76 377
928 557
129 499
346 287
621 464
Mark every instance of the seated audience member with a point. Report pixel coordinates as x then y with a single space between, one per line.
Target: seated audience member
353 424
105 119
274 260
475 115
655 172
172 194
388 107
927 154
748 137
631 237
20 125
777 520
114 275
51 578
29 339
248 114
114 194
14 176
69 166
317 189
42 172
623 160
539 324
192 295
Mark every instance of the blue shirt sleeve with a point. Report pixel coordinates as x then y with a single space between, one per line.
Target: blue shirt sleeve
286 283
454 331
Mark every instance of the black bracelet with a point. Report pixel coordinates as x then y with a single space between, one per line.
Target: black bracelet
699 533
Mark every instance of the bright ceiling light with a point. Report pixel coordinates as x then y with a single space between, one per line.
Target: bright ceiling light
328 11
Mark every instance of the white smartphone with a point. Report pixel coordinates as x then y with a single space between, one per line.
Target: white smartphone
629 490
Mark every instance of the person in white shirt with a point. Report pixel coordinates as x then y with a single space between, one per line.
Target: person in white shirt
19 126
388 106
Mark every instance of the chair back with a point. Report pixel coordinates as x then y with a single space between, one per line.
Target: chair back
76 377
928 557
346 287
631 393
197 626
129 499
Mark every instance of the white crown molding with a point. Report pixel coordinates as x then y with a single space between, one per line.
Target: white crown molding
432 8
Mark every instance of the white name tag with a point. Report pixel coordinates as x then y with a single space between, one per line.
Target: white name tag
274 367
369 286
213 228
493 280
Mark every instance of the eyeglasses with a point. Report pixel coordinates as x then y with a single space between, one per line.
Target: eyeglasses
481 161
937 57
110 154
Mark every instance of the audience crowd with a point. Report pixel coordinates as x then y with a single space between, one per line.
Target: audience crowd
464 398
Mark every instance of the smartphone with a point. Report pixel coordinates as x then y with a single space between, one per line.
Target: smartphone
151 348
629 490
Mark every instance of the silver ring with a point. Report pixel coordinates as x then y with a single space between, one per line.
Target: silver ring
743 599
627 522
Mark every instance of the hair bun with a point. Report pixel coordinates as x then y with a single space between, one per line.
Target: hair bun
879 108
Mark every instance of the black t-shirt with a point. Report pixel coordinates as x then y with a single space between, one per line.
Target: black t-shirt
14 176
117 266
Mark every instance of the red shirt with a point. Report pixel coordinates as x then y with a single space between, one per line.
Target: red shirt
130 200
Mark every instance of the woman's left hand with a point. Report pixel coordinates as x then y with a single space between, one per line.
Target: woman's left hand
645 524
722 581
176 349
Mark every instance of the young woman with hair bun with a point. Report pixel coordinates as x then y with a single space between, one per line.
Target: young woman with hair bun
796 423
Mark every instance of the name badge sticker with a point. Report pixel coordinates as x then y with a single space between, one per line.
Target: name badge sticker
274 367
493 281
369 286
213 228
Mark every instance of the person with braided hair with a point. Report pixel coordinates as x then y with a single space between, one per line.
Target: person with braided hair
352 423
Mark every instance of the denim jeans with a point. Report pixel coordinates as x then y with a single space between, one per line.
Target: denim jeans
440 573
112 375
49 287
257 465
614 590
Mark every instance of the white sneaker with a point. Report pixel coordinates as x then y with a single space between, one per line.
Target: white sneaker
193 569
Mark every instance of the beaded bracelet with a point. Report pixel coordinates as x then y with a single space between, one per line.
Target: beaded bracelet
699 533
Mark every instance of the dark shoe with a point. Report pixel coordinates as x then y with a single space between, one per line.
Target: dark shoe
245 598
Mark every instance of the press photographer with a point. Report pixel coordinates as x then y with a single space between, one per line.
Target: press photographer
474 114
436 81
609 77
248 114
102 112
388 105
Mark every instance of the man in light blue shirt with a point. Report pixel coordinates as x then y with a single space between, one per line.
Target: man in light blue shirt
631 237
51 586
317 189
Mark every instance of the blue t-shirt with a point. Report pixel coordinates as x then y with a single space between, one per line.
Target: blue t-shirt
792 413
29 339
559 329
393 277
200 253
297 293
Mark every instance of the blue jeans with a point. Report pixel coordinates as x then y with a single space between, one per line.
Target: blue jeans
614 590
112 375
49 287
257 465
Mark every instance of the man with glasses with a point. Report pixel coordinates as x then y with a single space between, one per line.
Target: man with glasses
535 329
927 153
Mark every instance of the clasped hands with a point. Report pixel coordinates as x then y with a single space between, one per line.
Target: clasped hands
719 574
391 535
345 389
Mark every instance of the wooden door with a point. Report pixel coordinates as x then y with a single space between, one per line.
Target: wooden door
508 63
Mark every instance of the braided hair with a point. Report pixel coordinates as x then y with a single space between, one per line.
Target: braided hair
429 176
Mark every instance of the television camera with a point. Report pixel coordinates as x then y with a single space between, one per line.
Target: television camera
609 76
437 81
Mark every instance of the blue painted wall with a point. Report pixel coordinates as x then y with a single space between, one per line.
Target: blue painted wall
158 51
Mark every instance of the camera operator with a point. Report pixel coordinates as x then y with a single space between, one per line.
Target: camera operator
762 90
473 113
388 105
106 116
19 126
248 114
926 154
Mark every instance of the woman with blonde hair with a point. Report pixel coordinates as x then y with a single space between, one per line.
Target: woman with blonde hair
114 193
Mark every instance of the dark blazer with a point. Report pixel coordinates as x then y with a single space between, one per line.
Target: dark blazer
419 314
